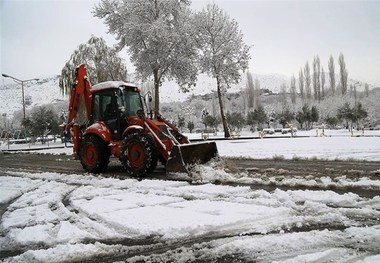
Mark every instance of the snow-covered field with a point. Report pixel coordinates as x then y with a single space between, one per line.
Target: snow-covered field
336 145
51 217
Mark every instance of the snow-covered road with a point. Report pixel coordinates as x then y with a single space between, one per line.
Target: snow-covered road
53 217
49 217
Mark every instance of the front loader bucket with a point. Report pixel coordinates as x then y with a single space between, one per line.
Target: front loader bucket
183 156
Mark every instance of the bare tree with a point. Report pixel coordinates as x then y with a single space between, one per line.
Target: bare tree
223 54
332 74
158 37
343 74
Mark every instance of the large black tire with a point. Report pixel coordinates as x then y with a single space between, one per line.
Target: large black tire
139 155
94 154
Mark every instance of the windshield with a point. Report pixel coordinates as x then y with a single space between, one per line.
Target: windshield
132 102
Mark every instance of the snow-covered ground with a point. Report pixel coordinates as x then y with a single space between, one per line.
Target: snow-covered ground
51 217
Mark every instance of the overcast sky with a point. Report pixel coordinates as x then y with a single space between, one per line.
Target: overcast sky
38 37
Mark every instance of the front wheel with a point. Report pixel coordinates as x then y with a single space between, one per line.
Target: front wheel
94 154
139 156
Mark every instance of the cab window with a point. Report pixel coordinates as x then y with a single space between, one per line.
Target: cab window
132 102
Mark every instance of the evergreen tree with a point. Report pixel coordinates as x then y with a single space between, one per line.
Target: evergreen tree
190 126
285 117
235 121
314 115
181 122
304 116
257 117
345 113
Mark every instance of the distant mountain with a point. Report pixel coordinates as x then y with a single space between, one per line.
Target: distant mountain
205 85
46 90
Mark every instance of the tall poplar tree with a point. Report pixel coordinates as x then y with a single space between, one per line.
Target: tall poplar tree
307 81
332 75
343 74
301 84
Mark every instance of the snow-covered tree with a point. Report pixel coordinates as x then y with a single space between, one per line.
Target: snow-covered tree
223 54
103 63
157 34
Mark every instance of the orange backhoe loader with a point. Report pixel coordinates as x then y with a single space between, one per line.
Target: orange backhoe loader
116 124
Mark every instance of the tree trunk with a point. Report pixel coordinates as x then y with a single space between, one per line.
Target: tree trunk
224 120
156 94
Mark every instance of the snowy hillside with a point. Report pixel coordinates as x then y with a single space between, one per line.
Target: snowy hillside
43 91
46 90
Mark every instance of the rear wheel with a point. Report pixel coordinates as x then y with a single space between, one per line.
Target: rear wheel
94 154
139 156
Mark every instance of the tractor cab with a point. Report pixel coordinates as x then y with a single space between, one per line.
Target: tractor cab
114 104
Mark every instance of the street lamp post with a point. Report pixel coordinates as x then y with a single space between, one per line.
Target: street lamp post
22 88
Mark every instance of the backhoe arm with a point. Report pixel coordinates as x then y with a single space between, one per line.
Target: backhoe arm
81 90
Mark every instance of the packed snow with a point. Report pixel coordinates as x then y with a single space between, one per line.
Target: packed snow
52 217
